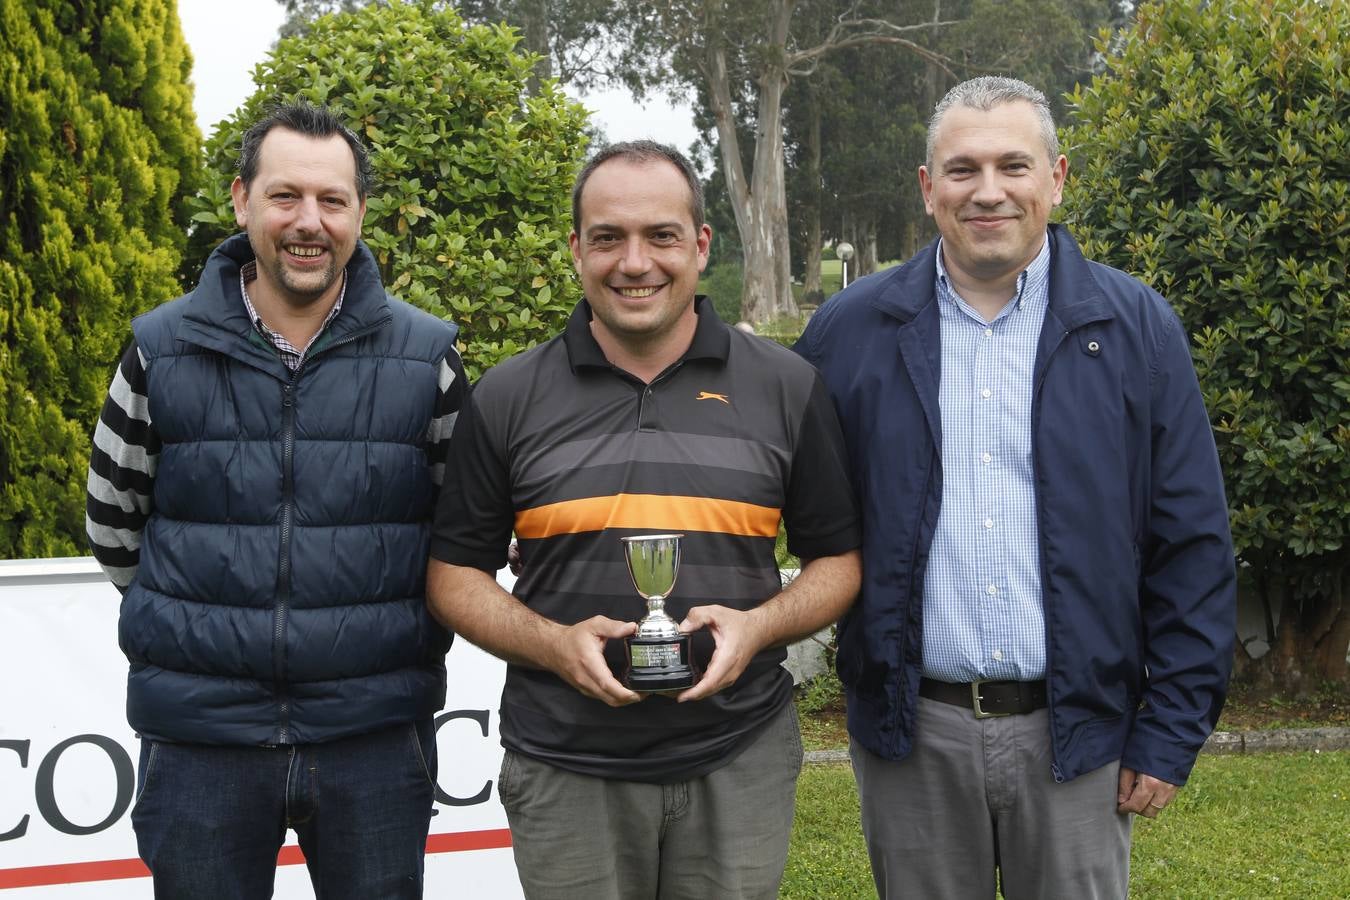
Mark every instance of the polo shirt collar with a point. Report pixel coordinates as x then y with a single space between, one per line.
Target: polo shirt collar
711 340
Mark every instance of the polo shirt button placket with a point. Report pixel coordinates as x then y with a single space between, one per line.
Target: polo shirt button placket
644 408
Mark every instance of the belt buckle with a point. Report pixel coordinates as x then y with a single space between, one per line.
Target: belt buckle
975 702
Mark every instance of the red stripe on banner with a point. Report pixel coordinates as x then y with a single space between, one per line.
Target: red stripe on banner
73 873
453 842
114 869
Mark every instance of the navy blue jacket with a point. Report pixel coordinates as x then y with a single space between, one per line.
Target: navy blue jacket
280 595
1136 557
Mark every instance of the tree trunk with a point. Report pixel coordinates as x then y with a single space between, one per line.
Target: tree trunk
812 292
811 289
536 39
1285 654
866 248
767 292
760 277
910 242
1311 640
1332 634
933 74
755 243
759 201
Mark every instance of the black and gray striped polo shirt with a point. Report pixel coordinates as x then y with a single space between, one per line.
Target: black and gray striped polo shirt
571 454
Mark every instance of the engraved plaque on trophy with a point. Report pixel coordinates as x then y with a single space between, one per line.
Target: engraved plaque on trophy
658 655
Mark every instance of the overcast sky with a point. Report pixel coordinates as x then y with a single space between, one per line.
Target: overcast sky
229 38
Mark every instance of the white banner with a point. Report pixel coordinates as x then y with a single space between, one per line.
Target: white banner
67 756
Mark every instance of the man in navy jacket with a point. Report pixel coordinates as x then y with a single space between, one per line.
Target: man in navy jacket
1044 635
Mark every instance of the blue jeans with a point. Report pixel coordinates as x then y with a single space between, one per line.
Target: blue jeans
210 820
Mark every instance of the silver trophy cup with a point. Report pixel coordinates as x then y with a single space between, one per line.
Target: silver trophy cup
658 655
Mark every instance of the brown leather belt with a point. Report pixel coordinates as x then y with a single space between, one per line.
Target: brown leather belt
987 698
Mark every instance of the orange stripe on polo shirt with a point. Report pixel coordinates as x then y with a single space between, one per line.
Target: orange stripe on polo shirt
652 512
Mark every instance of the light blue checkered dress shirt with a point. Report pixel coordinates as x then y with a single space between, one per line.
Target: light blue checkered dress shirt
982 615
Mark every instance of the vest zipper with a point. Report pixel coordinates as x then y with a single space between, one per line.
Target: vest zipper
281 612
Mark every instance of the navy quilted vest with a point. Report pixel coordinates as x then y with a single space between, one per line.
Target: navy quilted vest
280 595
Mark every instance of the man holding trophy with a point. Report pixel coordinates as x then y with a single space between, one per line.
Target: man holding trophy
647 454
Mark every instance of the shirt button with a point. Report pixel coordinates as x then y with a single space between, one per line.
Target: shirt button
991 590
998 655
988 523
986 458
986 393
989 332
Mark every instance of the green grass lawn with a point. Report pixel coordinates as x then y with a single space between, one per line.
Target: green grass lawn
831 275
722 282
1269 825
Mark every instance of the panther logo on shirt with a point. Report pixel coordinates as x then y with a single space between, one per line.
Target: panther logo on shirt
705 395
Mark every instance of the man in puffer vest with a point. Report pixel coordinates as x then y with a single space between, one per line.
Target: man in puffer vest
261 487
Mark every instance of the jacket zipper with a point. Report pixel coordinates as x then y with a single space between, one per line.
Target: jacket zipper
915 592
1055 769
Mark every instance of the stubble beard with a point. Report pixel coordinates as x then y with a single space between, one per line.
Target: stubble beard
303 289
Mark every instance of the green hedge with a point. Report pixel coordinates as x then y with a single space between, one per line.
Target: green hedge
1213 160
470 214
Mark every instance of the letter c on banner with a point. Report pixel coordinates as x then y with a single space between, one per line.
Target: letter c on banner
481 717
20 749
46 789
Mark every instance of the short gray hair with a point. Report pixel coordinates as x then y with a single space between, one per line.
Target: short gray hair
988 91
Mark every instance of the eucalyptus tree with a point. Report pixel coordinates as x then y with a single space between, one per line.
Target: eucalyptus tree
740 58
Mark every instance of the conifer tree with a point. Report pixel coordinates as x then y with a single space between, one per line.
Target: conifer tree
98 149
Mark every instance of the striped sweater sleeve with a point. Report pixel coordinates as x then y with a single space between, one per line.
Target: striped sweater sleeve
449 397
122 467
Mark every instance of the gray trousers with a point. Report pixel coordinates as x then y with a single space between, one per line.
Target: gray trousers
724 835
976 800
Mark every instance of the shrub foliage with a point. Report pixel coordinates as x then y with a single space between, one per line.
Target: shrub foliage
98 146
1213 160
470 213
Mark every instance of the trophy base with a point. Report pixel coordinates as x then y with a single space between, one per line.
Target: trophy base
661 680
659 664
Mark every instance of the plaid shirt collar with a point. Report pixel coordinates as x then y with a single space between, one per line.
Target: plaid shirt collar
291 355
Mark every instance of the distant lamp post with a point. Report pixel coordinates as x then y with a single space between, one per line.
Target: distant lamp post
843 250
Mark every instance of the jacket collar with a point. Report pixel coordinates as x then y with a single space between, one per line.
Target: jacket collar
217 318
711 339
1075 297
